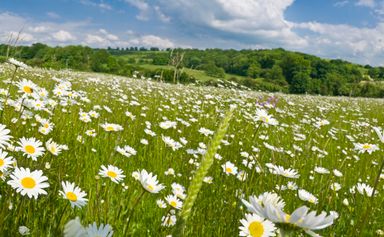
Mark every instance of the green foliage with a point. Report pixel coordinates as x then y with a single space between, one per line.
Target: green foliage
212 70
273 70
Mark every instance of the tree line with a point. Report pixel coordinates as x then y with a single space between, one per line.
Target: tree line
266 69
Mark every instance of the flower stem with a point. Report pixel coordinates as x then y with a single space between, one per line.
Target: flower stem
133 209
369 207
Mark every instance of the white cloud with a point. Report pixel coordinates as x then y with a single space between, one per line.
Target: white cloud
364 45
39 29
155 41
143 7
161 15
53 15
341 3
258 21
95 40
63 36
109 36
105 6
366 3
21 36
101 5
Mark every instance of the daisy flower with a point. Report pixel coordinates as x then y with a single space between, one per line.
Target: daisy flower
45 123
178 190
112 172
175 145
28 183
168 220
299 218
73 194
148 181
379 133
26 87
254 225
168 124
279 170
365 189
91 133
17 63
111 127
206 132
4 137
160 203
366 147
173 201
101 231
74 228
5 162
321 170
31 147
306 196
229 168
53 147
263 116
126 151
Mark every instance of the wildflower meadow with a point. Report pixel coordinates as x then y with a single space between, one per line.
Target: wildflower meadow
86 154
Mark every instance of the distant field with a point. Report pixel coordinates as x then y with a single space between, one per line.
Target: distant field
198 74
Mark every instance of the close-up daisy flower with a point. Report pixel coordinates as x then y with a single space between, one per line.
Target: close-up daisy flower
28 183
74 194
149 181
4 136
31 147
255 226
5 161
112 172
26 87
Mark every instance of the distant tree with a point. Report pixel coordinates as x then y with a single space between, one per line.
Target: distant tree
275 75
299 83
254 70
99 61
214 71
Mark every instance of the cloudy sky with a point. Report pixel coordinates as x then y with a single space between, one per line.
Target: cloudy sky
346 29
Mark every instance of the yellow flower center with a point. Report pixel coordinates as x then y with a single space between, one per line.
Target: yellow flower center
173 203
366 146
228 170
1 162
46 125
71 196
111 174
287 218
150 187
256 229
312 200
109 128
27 89
28 182
53 149
265 119
30 149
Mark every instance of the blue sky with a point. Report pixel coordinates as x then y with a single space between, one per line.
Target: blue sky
348 29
